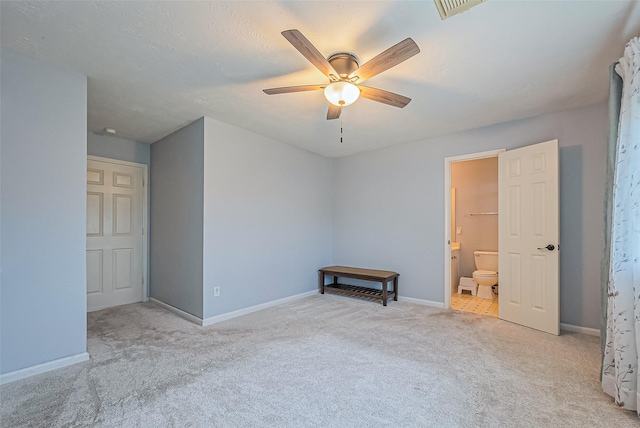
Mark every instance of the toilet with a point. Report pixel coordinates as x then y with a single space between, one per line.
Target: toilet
486 274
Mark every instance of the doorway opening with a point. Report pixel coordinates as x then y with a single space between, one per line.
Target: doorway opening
528 241
116 238
471 232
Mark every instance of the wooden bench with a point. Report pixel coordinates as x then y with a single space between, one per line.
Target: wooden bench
381 276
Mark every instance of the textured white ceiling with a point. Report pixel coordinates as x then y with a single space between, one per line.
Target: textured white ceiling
154 66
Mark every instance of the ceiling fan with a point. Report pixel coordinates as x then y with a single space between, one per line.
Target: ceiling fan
346 74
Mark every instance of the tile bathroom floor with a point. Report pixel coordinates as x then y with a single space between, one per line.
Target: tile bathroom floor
467 303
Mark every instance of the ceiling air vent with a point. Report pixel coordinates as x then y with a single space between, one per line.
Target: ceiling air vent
448 8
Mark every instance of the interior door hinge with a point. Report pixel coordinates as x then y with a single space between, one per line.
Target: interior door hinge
143 182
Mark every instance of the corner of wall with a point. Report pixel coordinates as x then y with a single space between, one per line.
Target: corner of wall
177 198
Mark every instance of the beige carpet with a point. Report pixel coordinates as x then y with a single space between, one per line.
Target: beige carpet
324 361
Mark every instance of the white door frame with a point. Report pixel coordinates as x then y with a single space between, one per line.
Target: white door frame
145 229
447 213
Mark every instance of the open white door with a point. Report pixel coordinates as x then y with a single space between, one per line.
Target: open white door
529 237
114 235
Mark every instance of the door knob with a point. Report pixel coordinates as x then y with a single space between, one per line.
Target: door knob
549 247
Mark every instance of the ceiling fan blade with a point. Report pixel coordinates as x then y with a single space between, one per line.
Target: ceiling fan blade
387 59
288 89
306 48
385 97
334 111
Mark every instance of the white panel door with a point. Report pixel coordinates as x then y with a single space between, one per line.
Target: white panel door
529 236
114 235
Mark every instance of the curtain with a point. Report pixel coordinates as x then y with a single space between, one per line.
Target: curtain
620 363
615 97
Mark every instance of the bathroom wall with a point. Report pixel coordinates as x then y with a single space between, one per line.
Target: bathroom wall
476 184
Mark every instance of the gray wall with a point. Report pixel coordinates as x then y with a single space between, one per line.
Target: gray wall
43 169
268 218
111 147
176 218
388 205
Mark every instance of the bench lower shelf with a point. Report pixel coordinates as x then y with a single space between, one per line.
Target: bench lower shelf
354 290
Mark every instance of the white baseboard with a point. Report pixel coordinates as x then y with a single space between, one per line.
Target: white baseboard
578 329
223 317
245 311
186 315
421 302
42 368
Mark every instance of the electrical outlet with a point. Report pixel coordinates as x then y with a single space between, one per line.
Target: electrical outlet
458 230
216 291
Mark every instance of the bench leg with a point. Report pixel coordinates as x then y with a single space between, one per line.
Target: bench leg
384 293
395 288
321 282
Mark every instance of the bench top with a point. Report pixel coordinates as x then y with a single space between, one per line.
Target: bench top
354 272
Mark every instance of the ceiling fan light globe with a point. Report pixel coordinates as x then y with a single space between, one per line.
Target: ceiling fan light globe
341 93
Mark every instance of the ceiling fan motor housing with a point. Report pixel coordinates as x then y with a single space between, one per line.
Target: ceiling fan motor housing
344 63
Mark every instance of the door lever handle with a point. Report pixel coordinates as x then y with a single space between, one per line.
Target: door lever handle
549 247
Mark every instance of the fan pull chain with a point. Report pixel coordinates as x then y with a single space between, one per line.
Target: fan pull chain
340 129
